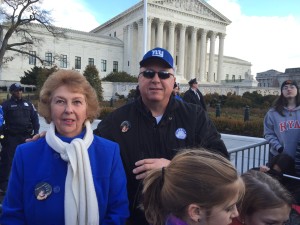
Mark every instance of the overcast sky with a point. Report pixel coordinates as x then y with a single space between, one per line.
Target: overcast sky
263 32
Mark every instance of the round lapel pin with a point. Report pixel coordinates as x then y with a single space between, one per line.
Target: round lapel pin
42 190
125 126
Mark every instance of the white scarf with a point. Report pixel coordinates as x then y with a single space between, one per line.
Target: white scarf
81 205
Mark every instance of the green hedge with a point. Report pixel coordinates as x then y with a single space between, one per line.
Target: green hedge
253 128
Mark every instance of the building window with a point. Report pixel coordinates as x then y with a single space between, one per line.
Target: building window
233 78
63 61
77 62
103 65
48 59
91 61
115 66
32 57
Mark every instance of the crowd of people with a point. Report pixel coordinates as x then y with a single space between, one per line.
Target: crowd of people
157 160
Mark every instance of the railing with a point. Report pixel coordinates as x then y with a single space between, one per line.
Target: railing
245 158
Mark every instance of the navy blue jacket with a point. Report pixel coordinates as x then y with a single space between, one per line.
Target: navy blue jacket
191 97
20 117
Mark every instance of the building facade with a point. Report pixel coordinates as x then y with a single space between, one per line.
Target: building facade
192 30
189 29
274 78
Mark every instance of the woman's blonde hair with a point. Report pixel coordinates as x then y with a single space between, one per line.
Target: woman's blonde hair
76 82
193 176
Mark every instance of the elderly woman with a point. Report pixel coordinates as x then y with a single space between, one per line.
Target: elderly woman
69 176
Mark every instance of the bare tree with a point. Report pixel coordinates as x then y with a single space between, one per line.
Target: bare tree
17 17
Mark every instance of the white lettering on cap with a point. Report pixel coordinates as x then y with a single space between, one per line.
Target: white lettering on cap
158 53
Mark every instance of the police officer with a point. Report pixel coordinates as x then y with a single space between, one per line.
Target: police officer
20 122
193 95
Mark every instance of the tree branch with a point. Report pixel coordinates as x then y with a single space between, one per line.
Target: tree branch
19 44
26 53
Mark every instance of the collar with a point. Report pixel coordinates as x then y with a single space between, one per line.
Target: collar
172 220
15 99
69 139
172 105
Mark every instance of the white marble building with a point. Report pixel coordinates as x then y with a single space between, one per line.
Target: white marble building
192 30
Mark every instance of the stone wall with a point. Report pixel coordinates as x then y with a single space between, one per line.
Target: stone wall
111 88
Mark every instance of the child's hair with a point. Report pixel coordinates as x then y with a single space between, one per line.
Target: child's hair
285 162
262 192
193 176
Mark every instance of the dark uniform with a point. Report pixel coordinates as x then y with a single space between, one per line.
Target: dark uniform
135 129
191 97
194 96
20 122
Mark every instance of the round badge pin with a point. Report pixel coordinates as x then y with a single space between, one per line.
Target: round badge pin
42 190
180 133
125 126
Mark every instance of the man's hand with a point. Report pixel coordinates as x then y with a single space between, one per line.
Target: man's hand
36 137
145 165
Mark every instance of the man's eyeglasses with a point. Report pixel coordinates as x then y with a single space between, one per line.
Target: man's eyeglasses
161 74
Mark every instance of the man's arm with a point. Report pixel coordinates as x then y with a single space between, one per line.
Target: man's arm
34 119
202 101
207 135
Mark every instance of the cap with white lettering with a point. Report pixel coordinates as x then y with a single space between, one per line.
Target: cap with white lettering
158 53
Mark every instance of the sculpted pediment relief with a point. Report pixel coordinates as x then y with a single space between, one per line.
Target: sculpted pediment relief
196 6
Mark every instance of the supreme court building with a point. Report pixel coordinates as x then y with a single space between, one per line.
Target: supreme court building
192 30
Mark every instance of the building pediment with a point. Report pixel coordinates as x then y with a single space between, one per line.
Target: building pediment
199 7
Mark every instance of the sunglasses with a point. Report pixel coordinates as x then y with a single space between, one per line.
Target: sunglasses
161 74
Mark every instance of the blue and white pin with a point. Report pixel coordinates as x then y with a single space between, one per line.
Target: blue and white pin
180 133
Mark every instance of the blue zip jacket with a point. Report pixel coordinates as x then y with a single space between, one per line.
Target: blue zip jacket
37 162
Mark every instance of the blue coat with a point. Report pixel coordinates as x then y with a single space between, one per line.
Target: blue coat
37 162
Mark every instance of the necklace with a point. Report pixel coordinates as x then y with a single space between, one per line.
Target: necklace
291 110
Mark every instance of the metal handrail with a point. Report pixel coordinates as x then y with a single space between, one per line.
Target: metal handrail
254 155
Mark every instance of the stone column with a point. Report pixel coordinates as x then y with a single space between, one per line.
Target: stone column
149 20
171 38
181 55
160 29
125 40
220 57
130 63
140 40
211 58
193 54
202 54
153 37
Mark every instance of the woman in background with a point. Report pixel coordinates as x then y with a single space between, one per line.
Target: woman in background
282 121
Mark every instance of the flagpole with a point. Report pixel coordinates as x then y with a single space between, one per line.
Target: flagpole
145 20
